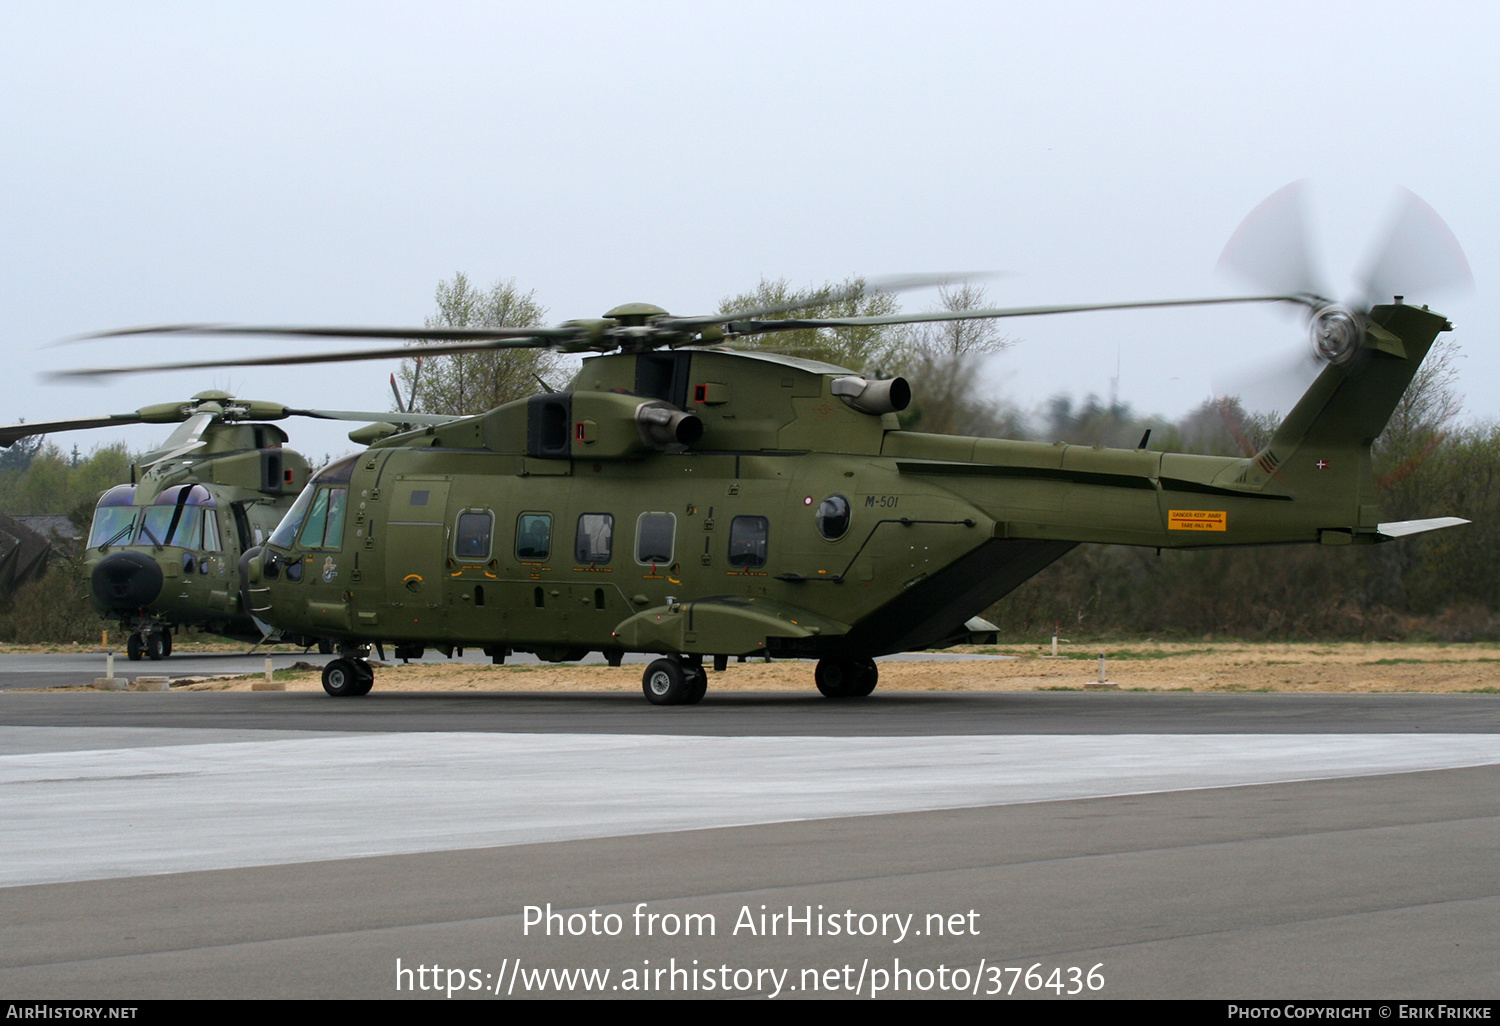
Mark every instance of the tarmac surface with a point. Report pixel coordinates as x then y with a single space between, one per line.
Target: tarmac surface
277 844
27 670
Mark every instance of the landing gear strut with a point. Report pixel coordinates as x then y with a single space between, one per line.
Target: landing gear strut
846 678
150 641
674 682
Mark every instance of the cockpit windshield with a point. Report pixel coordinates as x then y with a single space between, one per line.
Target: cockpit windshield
113 525
182 516
325 527
286 531
114 519
169 525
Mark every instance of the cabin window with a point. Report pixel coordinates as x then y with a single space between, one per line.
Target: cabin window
533 537
654 538
472 539
747 541
833 517
596 538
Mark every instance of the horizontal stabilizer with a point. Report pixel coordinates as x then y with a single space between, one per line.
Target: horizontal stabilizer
981 631
1402 528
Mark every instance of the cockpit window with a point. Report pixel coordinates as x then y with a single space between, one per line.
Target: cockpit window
325 520
184 495
119 495
286 531
315 521
337 472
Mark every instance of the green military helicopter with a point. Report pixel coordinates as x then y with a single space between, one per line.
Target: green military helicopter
699 503
163 550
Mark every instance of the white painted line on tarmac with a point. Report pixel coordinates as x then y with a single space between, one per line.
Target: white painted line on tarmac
129 811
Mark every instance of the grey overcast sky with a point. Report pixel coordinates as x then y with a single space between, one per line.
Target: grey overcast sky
326 163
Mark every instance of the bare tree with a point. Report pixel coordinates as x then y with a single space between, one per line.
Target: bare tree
474 382
1420 419
858 348
942 361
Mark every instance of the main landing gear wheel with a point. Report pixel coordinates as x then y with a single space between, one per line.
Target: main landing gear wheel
134 648
342 678
153 646
846 678
366 674
670 682
699 687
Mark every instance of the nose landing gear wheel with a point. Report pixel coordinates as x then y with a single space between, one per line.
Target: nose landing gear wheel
153 646
134 648
846 678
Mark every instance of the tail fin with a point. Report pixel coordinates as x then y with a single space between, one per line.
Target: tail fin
1321 451
1347 406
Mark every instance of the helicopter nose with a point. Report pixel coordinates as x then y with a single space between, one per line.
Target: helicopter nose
126 580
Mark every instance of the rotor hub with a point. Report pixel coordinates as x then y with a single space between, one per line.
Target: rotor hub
635 314
1336 332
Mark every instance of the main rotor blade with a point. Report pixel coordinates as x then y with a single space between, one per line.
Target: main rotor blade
759 327
370 417
870 287
12 433
187 437
428 334
1417 256
294 359
1272 247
